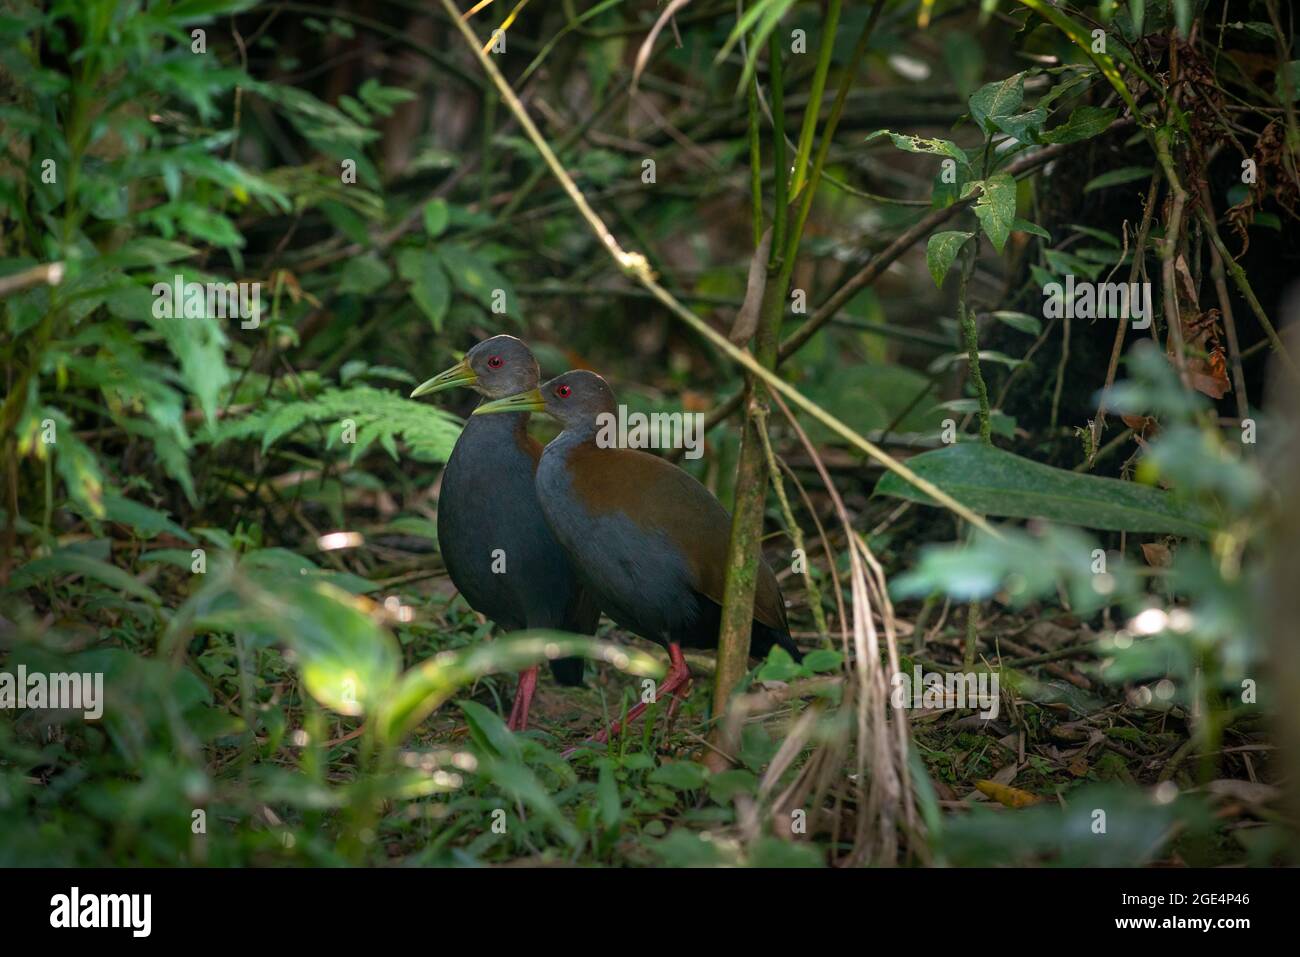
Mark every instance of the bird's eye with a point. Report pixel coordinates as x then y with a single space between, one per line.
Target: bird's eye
495 362
562 391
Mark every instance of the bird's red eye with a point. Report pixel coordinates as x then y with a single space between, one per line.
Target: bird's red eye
562 391
495 362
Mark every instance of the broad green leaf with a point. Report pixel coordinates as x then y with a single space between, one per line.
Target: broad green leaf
823 659
149 251
993 482
941 250
436 217
1098 234
149 522
998 99
679 775
490 732
79 468
429 684
1138 10
1125 174
1023 127
1025 226
476 276
726 785
1020 321
349 664
965 59
996 206
364 275
429 286
67 562
919 144
939 363
200 346
380 98
1084 123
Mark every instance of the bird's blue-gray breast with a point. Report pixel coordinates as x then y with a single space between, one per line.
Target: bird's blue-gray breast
637 576
495 542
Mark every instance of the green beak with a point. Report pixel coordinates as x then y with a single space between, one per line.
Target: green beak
530 401
459 374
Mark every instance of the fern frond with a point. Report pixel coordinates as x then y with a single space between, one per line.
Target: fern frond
376 415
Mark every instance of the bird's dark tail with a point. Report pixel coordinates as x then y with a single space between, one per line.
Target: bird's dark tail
764 637
568 671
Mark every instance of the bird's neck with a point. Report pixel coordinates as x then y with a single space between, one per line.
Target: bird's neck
501 424
571 438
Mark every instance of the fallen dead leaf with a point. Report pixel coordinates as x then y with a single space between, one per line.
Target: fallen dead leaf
1005 795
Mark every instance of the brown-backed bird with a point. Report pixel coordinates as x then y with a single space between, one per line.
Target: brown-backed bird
649 541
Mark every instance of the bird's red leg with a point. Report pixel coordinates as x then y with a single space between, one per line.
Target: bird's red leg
523 698
677 679
678 665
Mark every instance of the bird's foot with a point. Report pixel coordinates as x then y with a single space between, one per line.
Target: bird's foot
677 686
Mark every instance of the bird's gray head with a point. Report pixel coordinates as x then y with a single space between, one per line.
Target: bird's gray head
575 398
496 367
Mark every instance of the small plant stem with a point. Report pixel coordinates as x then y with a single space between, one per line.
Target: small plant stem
970 333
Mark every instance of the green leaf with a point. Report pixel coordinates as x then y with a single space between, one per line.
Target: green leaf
149 251
996 206
436 217
919 144
1025 226
491 732
199 344
778 666
1125 174
611 809
941 250
66 562
993 482
429 286
1020 321
823 659
149 522
998 99
348 663
679 775
380 98
78 467
1098 234
726 785
364 275
475 275
766 14
1083 39
1023 127
432 682
1084 123
965 59
939 363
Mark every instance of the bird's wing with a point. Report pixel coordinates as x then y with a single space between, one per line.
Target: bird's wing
656 494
